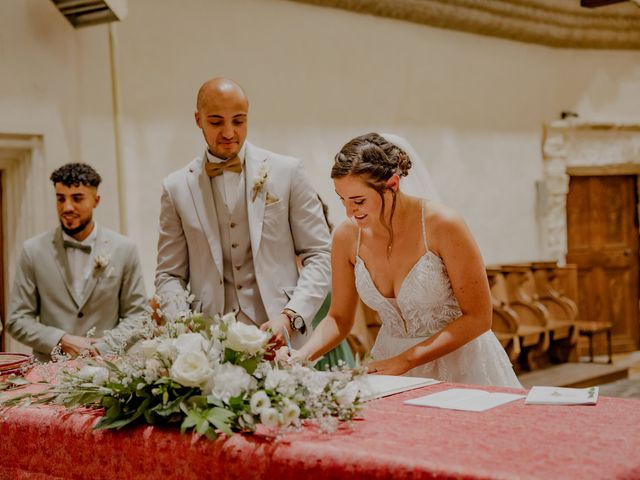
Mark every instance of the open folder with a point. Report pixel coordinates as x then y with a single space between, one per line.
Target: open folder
383 385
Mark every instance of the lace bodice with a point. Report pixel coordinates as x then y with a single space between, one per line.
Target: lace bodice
425 303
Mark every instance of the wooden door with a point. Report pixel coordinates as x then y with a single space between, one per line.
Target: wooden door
602 234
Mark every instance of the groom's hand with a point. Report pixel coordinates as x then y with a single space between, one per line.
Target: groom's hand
75 345
277 326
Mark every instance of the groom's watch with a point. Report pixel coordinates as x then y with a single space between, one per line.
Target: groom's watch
295 320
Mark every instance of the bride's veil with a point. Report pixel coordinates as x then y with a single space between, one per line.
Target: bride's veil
419 182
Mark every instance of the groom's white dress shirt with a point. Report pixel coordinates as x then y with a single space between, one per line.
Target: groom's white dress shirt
81 262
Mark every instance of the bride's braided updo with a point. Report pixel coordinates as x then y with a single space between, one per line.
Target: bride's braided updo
371 155
376 160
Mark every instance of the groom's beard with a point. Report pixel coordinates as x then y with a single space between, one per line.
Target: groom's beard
74 231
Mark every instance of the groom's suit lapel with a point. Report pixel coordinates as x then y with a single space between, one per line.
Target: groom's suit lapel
200 188
100 248
254 162
63 264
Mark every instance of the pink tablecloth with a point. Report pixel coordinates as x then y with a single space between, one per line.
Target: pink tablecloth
392 441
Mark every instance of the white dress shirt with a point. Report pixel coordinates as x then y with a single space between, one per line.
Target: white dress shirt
229 182
80 262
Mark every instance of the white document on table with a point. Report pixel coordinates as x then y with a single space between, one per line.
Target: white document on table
466 399
562 396
383 385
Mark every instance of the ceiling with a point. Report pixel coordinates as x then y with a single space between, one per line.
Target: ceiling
555 23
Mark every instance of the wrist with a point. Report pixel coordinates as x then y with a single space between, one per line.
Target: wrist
296 322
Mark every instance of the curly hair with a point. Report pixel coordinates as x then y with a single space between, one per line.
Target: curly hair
74 174
375 159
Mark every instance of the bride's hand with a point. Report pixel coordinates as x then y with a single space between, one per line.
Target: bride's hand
391 366
284 355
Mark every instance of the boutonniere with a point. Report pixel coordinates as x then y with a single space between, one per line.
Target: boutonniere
101 261
259 181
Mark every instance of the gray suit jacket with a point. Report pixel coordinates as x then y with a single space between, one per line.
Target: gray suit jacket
44 306
189 249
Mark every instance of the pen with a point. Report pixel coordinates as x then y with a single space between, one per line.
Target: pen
288 339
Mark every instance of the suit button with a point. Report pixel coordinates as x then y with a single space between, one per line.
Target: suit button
220 282
232 224
80 314
234 245
239 287
238 267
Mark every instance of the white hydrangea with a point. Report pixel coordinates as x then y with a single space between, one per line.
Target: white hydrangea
152 370
230 381
94 374
281 381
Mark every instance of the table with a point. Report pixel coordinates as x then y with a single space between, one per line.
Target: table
392 441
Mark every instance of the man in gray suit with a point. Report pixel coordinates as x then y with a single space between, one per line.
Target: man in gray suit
232 222
76 278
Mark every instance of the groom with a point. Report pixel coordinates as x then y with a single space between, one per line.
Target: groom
232 223
77 278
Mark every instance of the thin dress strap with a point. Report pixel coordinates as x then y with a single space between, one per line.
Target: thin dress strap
358 244
424 230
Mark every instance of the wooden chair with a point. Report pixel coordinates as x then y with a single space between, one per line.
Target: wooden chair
562 334
563 307
522 341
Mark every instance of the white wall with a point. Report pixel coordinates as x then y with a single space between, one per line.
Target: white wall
472 106
52 84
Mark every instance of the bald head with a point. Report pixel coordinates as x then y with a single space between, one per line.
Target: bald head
220 88
222 109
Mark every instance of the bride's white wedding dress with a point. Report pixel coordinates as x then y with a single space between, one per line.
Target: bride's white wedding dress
425 305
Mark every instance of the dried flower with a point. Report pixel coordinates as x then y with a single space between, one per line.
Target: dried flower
259 181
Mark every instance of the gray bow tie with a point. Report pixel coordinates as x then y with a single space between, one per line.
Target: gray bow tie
79 246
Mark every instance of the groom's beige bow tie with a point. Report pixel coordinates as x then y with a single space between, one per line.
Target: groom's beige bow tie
78 246
215 169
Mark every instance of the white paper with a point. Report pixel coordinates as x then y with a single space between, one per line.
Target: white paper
466 399
562 396
383 385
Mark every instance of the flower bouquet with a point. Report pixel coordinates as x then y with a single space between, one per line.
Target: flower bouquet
208 376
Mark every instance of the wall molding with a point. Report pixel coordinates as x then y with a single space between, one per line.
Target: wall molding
569 147
553 23
24 186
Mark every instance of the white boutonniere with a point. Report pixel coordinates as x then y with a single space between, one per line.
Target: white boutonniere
101 261
259 181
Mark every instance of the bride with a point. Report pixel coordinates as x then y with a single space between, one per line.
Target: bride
415 262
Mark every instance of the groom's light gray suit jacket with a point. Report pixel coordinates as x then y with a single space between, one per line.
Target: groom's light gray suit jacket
189 248
44 305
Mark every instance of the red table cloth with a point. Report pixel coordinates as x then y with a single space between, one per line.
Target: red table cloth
513 441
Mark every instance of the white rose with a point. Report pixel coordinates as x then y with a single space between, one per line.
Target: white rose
270 417
230 381
259 401
191 369
190 342
96 375
246 338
